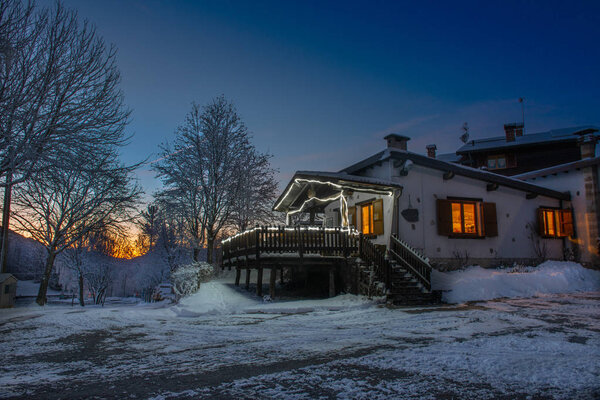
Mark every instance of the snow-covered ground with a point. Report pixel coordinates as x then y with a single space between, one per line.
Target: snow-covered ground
476 283
226 343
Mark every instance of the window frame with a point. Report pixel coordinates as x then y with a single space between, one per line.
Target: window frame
557 217
496 158
477 205
373 230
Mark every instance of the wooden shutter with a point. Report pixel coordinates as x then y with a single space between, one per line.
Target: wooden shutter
444 217
352 216
378 217
490 221
541 223
566 222
511 160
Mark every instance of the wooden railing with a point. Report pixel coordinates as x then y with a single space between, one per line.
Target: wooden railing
373 255
299 240
409 258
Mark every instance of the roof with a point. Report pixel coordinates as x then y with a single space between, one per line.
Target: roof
486 176
331 182
448 157
552 136
6 276
586 162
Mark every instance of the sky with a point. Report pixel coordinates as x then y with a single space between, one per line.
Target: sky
319 84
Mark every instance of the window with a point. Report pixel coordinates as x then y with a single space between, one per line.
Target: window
367 217
496 162
466 218
555 223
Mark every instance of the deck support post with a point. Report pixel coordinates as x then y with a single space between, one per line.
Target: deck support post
248 270
259 282
238 272
272 280
331 282
281 276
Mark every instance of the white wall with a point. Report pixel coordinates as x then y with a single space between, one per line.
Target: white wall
574 182
424 185
513 211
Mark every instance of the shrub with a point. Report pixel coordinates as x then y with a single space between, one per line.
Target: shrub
186 279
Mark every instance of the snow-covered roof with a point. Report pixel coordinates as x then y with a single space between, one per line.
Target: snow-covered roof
586 162
326 185
448 157
551 136
6 276
458 169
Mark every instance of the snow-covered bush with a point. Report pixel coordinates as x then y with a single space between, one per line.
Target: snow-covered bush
186 279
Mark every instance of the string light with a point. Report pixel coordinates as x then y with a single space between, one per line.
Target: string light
338 186
348 230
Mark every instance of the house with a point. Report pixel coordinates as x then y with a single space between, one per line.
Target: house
8 290
399 214
517 153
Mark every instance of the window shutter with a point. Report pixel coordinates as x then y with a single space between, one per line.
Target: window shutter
566 222
444 217
511 160
490 222
541 223
352 216
378 217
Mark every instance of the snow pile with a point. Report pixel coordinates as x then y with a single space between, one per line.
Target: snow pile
476 283
213 298
219 296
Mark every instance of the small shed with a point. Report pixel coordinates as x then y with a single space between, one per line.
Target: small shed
8 290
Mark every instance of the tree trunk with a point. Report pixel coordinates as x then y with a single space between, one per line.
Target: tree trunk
209 251
196 254
41 297
5 222
81 301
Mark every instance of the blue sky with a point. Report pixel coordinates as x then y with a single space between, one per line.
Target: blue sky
320 83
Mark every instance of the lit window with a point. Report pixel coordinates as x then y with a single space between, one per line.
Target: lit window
465 218
370 217
555 222
367 219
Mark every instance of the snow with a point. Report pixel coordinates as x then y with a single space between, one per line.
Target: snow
224 342
476 283
221 297
31 288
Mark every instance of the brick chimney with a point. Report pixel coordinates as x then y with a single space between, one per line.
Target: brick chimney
395 141
431 148
587 145
513 130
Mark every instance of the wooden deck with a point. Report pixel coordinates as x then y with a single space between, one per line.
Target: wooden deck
304 247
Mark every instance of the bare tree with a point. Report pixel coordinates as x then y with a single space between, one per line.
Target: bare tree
67 202
58 88
147 222
256 193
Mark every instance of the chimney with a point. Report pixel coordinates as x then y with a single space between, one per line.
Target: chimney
431 148
587 144
395 141
513 130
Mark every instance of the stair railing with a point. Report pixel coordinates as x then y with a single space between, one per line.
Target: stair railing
416 264
372 255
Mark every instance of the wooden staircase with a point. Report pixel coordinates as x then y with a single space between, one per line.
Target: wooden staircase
405 273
